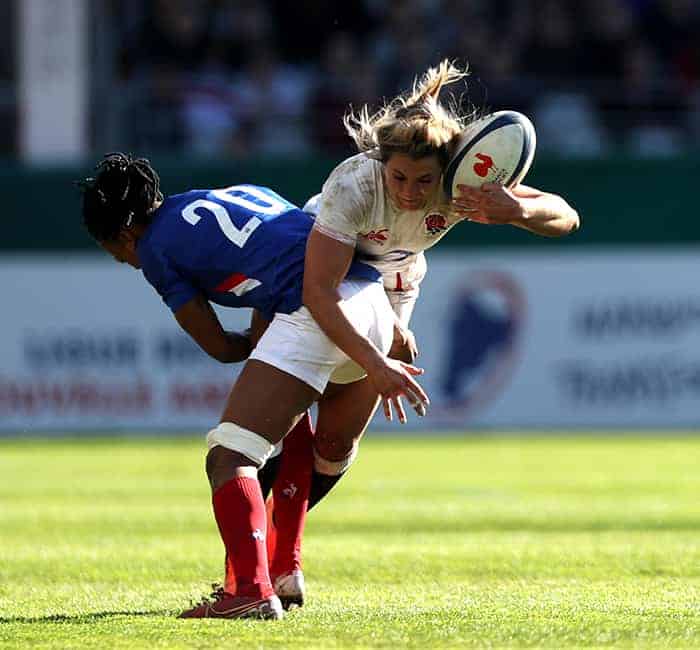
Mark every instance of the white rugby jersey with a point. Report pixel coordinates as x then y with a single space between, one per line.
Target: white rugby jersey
354 208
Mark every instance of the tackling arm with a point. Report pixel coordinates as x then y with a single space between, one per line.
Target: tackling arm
199 320
327 263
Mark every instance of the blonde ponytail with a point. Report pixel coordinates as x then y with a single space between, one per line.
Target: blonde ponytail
415 124
428 88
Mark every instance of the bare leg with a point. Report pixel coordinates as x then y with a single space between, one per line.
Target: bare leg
264 400
344 412
267 400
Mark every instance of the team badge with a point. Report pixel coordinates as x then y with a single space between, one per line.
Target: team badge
435 223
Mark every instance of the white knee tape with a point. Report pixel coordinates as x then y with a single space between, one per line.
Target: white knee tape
334 467
277 450
235 438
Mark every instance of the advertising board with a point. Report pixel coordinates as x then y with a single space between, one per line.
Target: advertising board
508 339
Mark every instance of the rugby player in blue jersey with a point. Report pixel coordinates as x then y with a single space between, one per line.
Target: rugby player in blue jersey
244 246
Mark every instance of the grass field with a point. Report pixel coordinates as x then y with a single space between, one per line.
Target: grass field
440 542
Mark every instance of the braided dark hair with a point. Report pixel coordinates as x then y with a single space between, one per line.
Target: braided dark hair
121 194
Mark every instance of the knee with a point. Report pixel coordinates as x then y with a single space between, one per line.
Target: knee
334 447
255 448
335 464
234 451
222 465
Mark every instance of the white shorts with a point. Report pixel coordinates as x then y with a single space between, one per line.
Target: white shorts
403 302
296 344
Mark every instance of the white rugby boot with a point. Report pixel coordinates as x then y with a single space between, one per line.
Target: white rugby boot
290 589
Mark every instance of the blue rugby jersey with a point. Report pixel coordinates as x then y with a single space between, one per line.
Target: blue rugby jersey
242 246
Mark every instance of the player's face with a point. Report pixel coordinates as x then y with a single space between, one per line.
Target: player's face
123 251
409 182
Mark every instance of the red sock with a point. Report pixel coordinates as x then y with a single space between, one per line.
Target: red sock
291 496
230 576
240 514
270 536
271 530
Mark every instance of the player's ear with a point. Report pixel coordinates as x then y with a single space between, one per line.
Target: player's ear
128 238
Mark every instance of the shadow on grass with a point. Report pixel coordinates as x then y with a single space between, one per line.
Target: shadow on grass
80 618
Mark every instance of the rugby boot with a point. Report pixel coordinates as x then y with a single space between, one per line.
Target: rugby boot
290 588
221 604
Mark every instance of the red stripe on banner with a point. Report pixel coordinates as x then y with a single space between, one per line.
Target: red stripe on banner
230 282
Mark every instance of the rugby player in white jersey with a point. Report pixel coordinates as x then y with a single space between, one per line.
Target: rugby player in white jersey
387 206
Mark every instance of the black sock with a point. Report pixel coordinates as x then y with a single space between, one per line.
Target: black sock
268 474
321 485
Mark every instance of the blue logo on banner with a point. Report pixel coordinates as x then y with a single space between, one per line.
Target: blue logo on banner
485 322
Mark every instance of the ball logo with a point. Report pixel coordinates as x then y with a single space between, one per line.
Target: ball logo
482 168
486 318
435 223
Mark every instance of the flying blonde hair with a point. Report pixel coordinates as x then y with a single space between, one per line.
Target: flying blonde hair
415 124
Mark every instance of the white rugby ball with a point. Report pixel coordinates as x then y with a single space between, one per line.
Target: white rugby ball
497 148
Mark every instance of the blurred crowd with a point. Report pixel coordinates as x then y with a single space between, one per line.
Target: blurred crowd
249 77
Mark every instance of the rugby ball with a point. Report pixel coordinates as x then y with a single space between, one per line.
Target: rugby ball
497 148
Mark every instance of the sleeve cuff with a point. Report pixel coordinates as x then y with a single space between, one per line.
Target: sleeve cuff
342 237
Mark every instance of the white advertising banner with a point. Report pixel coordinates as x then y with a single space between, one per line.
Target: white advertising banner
87 344
571 339
508 339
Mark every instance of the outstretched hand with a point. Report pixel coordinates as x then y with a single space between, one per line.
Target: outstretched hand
394 380
491 204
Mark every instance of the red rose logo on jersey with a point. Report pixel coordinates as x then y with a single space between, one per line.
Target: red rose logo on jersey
379 236
435 223
486 166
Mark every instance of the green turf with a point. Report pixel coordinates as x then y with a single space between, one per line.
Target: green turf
438 542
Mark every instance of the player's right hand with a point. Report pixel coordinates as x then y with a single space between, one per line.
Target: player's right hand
393 380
